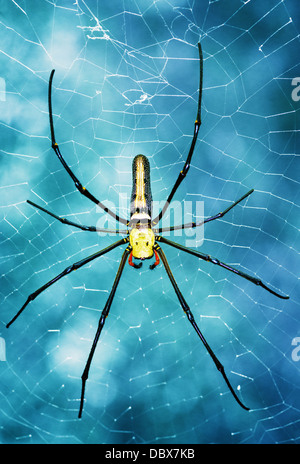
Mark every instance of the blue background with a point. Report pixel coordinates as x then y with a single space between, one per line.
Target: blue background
126 82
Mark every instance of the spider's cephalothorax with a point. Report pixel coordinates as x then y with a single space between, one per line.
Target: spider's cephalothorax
142 241
141 236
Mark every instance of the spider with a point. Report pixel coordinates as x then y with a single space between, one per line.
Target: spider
142 238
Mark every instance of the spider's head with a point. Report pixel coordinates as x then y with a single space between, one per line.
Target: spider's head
142 242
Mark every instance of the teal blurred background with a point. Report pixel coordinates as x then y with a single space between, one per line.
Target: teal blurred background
126 82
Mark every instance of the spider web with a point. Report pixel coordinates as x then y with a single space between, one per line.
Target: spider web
126 82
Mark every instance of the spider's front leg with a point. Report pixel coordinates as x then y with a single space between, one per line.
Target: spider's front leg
102 319
191 318
71 268
216 261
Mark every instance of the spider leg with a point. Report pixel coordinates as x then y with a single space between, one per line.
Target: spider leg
190 317
192 225
153 266
72 267
77 183
186 167
103 316
74 224
212 260
131 263
219 215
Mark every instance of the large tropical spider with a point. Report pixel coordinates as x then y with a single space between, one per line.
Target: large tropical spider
142 238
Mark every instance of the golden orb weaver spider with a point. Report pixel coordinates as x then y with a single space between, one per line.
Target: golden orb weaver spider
142 238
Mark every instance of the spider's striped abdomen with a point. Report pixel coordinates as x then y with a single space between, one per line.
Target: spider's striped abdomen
141 236
141 197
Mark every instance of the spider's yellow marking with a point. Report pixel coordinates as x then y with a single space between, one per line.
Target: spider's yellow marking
140 199
142 242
